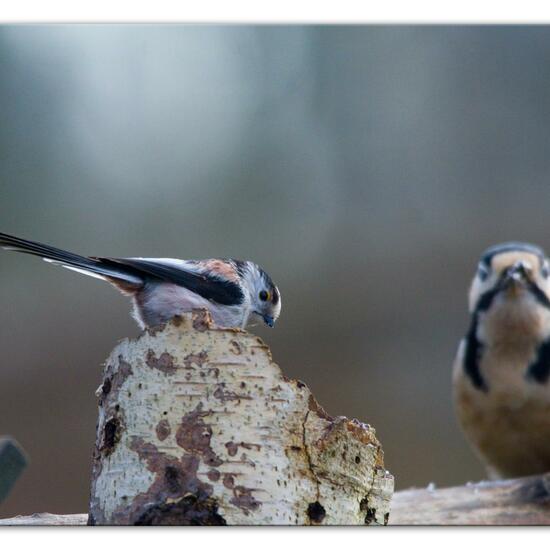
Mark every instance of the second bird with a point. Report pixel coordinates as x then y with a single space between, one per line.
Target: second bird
502 369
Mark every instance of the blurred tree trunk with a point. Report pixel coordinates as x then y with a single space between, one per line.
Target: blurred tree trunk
197 425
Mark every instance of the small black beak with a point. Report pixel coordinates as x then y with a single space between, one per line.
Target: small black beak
268 320
517 273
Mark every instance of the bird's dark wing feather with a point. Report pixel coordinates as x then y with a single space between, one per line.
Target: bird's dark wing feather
70 260
212 288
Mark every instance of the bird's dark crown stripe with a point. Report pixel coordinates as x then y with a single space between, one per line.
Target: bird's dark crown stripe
207 286
270 285
240 266
472 354
510 247
539 369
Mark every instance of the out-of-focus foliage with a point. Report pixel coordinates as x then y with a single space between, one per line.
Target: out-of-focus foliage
365 168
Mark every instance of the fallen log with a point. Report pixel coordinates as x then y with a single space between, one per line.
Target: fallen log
524 501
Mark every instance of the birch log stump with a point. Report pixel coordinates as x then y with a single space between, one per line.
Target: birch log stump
198 426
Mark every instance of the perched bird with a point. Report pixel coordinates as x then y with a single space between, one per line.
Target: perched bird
502 369
232 290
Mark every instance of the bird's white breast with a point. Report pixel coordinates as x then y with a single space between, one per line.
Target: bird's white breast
162 301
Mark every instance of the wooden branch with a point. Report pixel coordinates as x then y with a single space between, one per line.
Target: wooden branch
46 519
524 501
197 425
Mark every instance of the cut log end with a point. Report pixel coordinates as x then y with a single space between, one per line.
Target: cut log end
198 426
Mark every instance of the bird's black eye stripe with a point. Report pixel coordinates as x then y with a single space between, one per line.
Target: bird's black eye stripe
539 295
485 300
263 295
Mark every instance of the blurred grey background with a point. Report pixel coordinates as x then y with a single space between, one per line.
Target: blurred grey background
365 168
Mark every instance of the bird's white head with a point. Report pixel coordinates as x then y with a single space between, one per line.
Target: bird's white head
510 292
265 298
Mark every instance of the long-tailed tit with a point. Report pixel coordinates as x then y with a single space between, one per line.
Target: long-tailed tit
502 369
232 290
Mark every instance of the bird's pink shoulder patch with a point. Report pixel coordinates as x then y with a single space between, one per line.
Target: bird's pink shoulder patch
220 268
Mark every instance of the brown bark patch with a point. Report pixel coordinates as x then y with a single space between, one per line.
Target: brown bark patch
163 429
164 363
315 407
361 432
228 481
176 496
198 359
243 499
213 474
189 510
112 431
194 436
115 376
232 448
224 395
235 347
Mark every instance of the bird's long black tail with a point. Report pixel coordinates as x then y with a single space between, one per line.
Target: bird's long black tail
98 267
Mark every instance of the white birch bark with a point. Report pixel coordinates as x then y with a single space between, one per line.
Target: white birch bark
197 425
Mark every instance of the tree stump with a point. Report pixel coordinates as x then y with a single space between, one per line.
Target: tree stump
198 426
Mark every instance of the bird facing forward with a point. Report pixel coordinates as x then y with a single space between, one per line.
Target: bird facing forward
502 369
232 290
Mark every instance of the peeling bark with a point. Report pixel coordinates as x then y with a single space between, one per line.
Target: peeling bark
198 426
